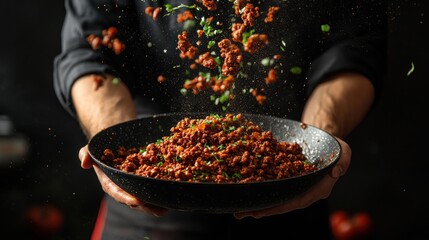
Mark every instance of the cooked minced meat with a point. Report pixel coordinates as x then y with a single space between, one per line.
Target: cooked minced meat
220 149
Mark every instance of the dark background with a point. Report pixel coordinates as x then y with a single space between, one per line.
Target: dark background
387 177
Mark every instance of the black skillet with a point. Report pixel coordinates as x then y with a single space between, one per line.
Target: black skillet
319 147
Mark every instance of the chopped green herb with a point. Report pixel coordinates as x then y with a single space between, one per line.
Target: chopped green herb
116 80
224 97
265 62
170 9
237 175
209 31
246 35
213 153
189 24
210 44
411 69
206 75
296 70
325 27
283 46
215 116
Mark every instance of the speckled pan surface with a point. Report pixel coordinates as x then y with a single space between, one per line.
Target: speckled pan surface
319 147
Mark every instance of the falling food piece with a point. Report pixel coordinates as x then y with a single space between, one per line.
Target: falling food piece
161 79
108 40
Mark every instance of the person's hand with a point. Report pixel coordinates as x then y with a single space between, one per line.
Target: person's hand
114 190
321 190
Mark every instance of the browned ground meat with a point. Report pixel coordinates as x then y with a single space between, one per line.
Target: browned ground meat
272 11
210 4
220 149
232 55
187 50
256 42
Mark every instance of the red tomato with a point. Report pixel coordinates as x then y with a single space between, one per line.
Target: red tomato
356 227
44 219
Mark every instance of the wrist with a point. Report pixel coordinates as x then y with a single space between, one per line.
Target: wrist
339 103
101 104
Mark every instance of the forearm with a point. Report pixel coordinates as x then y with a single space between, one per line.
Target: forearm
100 106
340 103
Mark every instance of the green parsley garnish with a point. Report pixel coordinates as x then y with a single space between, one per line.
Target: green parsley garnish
116 80
411 69
170 9
325 27
296 70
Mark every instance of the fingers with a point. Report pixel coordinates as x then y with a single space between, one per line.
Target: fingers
150 209
86 161
125 198
343 164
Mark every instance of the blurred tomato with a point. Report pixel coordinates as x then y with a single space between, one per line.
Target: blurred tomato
356 227
45 219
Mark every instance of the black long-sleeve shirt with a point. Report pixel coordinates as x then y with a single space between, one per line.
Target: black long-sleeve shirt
355 42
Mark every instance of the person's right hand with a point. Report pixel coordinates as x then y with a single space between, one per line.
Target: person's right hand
114 190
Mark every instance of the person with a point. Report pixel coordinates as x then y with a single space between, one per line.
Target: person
329 75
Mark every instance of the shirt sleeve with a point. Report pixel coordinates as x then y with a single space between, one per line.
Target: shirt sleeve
77 58
358 44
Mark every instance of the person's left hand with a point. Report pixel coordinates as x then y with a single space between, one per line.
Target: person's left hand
319 191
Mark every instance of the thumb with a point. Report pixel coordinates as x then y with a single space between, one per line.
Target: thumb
85 159
343 164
